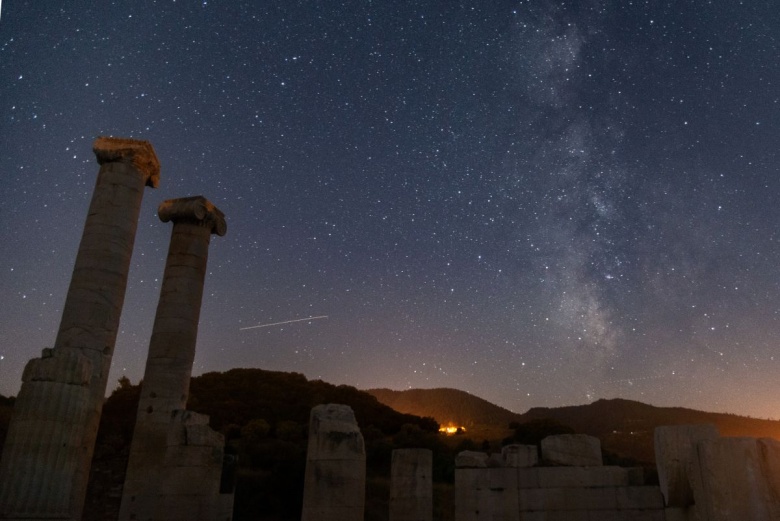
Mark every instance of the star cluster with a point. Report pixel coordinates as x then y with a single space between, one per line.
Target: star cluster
542 203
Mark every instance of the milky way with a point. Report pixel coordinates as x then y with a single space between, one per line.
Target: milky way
542 203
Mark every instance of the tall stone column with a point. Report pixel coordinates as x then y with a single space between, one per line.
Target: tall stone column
171 350
48 450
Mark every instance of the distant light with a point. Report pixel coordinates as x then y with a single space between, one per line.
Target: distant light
451 429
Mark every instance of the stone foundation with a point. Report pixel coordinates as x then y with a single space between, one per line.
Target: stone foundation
527 493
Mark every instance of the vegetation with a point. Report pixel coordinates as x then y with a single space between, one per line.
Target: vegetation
477 418
264 417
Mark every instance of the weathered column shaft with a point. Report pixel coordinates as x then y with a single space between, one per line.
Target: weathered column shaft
52 434
411 485
171 349
335 483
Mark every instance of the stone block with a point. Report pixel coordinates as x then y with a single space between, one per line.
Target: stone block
503 494
203 436
187 455
636 476
626 515
595 515
335 480
680 514
495 460
471 501
471 459
578 450
528 477
736 478
200 481
639 498
554 499
66 366
334 484
486 494
411 485
554 477
520 455
334 434
674 455
581 515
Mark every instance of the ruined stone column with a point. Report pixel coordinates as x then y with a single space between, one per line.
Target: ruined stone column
45 464
411 486
171 349
335 484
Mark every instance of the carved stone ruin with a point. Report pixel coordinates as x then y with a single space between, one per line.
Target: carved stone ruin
708 478
175 459
520 455
578 450
335 483
411 485
191 472
703 477
45 464
675 450
518 491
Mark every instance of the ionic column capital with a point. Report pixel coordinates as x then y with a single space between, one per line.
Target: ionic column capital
196 209
140 153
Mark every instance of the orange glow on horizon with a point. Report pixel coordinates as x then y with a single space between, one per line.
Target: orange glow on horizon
451 429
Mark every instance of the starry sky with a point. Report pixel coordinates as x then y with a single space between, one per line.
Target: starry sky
541 203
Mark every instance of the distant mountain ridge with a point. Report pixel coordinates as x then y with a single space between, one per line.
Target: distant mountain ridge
625 427
446 406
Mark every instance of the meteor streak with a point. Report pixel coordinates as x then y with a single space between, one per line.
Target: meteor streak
283 322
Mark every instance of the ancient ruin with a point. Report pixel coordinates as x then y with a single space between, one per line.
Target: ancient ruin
47 454
575 450
708 478
520 490
335 482
175 459
675 450
411 485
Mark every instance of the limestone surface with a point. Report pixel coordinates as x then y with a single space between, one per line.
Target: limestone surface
471 459
675 451
59 422
737 478
139 153
191 472
166 382
578 450
411 485
520 455
335 481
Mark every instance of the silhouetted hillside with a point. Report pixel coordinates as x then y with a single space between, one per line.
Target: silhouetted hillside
240 395
446 406
625 427
264 416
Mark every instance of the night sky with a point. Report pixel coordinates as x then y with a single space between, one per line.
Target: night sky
541 203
